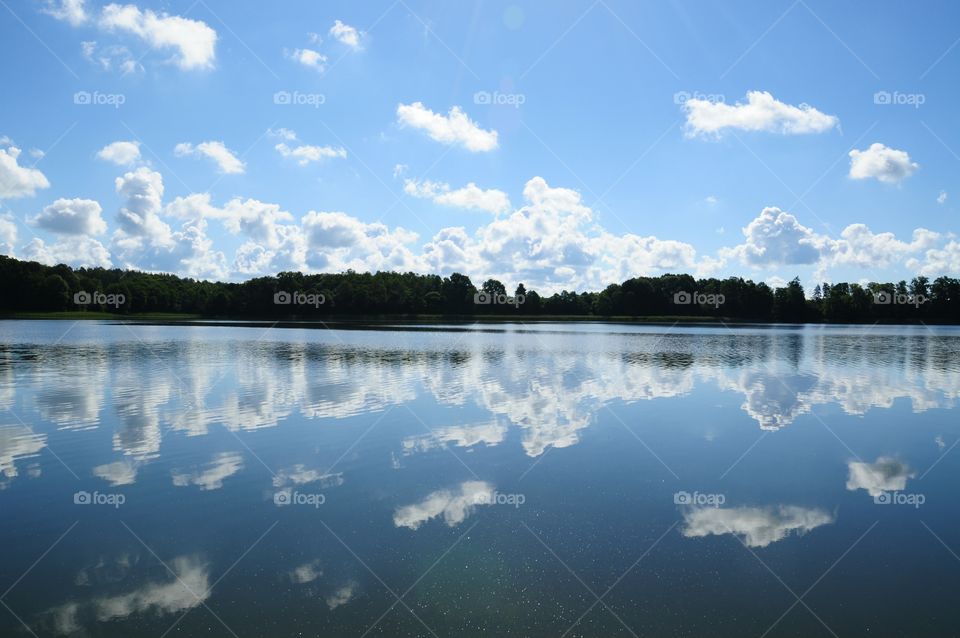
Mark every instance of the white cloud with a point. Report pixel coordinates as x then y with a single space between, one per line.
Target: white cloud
756 526
309 58
117 473
143 191
470 197
938 261
110 57
122 153
283 133
72 11
15 180
193 41
300 474
453 505
859 246
145 241
399 169
942 197
342 596
777 238
454 128
306 573
222 466
881 162
8 234
188 587
18 442
762 112
346 34
305 153
79 252
227 161
883 475
490 433
72 217
335 241
553 243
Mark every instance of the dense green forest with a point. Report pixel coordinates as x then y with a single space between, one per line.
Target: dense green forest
32 287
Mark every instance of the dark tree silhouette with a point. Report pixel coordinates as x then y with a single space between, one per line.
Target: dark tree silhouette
31 287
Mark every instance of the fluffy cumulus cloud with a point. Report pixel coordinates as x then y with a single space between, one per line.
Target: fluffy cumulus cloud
553 243
303 153
859 246
453 128
16 180
777 238
309 58
8 234
72 11
470 197
336 241
761 112
882 163
346 34
80 251
146 241
142 191
227 162
937 261
260 221
122 153
192 42
72 217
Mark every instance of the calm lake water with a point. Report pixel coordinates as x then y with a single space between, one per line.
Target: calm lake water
598 480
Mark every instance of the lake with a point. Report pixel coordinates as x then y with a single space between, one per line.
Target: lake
467 480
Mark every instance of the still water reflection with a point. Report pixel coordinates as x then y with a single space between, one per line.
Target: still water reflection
591 479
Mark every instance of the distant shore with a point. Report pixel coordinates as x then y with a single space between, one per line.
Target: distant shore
347 321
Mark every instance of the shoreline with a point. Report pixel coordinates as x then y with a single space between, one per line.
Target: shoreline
349 321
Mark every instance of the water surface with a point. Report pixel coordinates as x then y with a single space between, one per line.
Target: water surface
529 480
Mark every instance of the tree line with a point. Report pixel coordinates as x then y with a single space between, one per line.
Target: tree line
27 286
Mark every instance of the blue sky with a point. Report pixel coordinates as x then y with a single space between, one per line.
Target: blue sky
564 145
